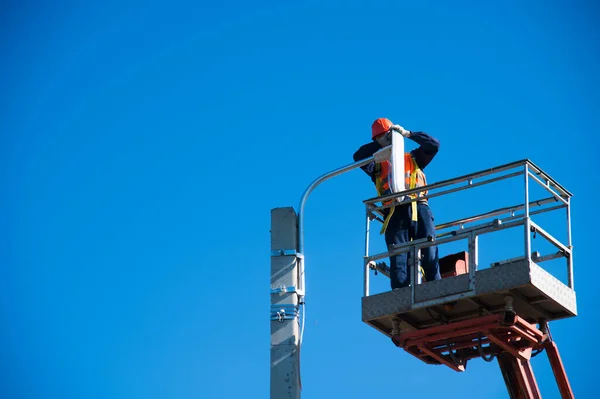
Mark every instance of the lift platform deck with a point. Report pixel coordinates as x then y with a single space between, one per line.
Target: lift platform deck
537 296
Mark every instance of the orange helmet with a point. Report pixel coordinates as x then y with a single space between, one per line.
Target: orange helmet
380 126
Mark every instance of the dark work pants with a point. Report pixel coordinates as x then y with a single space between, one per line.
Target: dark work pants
402 229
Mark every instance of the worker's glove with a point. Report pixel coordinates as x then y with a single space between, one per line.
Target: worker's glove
385 139
401 130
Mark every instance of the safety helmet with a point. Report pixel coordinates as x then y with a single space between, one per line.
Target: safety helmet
380 126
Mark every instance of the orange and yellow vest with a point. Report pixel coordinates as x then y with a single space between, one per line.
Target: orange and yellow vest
413 177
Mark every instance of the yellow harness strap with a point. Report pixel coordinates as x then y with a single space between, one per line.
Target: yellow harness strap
387 220
413 184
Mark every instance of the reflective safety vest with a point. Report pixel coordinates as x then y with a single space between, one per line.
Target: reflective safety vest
413 177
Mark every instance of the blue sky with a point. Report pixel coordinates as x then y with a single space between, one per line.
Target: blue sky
144 144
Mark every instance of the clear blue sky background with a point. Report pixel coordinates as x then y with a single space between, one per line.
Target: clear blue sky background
144 144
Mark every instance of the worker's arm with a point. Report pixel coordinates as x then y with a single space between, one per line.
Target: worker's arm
428 148
367 151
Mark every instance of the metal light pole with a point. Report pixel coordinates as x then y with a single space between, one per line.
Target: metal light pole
288 291
285 348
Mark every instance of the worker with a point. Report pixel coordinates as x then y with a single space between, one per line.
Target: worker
404 222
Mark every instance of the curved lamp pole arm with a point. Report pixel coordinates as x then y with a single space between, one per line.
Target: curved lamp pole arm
307 192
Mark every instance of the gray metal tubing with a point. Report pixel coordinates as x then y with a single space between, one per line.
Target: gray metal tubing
495 222
366 271
423 243
496 212
545 258
536 212
527 216
508 218
473 258
529 169
569 223
459 179
556 184
366 281
472 185
367 233
547 187
475 175
415 261
406 247
465 234
502 221
570 259
408 200
549 237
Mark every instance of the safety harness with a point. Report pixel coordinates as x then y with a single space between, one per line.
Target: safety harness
411 177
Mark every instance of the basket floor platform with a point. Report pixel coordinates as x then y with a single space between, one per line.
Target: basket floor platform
537 295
